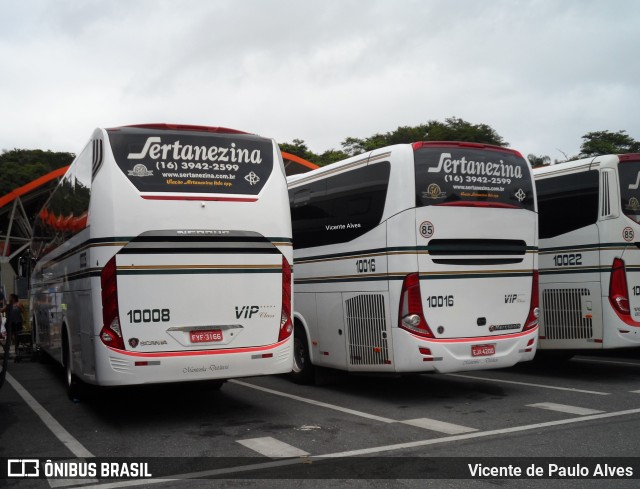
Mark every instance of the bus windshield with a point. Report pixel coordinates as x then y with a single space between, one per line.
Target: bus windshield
461 175
192 162
630 189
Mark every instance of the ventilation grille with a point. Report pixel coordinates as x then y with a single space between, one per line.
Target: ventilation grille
449 247
451 251
367 330
563 317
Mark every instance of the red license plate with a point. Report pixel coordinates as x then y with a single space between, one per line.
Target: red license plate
206 336
483 350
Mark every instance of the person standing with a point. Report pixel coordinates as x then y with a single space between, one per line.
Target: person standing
13 312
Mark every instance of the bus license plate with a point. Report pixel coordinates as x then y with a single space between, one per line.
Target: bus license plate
483 350
208 336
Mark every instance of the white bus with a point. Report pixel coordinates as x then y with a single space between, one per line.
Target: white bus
414 258
589 212
164 255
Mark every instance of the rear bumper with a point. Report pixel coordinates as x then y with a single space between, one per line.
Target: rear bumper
454 355
618 334
117 368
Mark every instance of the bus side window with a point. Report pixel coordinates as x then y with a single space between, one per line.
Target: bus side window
308 215
340 208
567 203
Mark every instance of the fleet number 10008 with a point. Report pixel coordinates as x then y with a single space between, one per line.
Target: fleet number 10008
149 315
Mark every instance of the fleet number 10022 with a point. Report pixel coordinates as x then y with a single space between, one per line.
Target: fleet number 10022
567 260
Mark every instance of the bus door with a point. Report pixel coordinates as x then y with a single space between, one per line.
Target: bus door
570 261
331 331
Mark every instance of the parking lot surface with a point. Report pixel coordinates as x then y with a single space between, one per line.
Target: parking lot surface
351 431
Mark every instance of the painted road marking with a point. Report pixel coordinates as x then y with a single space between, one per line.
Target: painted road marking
563 408
477 434
365 451
55 483
425 423
270 447
315 403
74 446
528 384
611 362
440 426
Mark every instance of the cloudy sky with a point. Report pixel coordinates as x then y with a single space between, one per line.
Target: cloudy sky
542 73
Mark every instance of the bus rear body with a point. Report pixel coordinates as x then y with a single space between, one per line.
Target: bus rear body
165 256
590 253
417 258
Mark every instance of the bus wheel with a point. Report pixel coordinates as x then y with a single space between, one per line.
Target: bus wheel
74 386
36 353
302 371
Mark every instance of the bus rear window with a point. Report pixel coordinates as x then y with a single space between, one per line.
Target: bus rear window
629 172
161 161
451 175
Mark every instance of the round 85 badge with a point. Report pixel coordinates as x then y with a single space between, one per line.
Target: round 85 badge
427 229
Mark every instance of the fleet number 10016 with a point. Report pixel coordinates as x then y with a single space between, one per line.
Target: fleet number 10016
440 301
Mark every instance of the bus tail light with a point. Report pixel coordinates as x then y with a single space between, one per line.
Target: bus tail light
111 332
286 325
534 310
618 295
411 315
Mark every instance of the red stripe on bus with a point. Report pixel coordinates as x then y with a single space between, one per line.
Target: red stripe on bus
475 340
471 203
249 349
222 199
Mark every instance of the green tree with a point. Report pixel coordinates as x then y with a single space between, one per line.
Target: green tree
452 129
20 166
329 156
299 148
537 161
455 129
606 142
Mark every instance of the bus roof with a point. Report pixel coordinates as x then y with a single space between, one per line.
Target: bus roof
375 154
464 144
182 127
585 164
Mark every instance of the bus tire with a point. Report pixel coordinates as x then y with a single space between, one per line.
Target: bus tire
36 353
303 371
74 385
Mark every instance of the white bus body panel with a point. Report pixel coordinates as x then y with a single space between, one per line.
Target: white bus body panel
455 355
239 294
495 295
349 309
571 295
574 296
